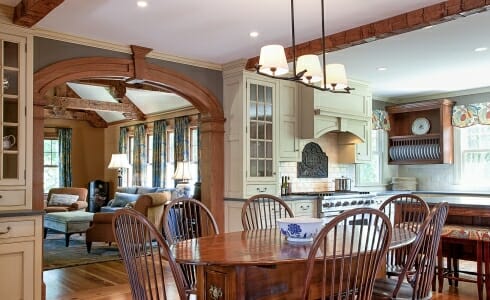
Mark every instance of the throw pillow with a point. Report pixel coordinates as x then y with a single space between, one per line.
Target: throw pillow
121 199
127 189
145 190
62 199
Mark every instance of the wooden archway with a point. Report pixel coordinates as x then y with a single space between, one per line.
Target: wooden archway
212 116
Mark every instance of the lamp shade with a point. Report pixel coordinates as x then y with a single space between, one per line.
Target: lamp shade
310 63
119 161
273 60
335 76
183 171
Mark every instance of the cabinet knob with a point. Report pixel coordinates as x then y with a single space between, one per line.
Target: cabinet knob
7 231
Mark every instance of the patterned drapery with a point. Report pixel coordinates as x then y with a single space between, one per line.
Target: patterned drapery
199 147
64 137
139 155
471 114
181 139
123 146
159 152
380 120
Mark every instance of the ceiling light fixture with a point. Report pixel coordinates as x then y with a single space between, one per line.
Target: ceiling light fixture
330 77
142 3
254 34
481 49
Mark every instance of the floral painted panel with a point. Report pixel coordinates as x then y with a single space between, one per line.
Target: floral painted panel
380 120
471 114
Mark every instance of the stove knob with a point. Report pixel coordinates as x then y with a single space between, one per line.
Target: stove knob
326 205
360 202
338 203
346 203
354 202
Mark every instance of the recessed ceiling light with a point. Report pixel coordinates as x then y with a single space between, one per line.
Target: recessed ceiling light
254 34
480 49
142 3
381 68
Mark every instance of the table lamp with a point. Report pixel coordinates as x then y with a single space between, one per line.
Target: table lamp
182 175
119 162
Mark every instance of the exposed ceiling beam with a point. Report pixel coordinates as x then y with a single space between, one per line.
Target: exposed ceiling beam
136 113
29 12
127 108
116 84
92 117
430 15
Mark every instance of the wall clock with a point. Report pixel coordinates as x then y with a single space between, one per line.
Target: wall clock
420 126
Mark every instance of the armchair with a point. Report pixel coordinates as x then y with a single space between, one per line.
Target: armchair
150 205
58 201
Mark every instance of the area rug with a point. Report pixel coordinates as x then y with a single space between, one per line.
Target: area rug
56 255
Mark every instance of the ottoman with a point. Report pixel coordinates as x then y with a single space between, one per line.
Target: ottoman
69 222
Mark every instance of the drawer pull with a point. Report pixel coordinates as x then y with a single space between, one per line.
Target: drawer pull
215 292
263 190
5 232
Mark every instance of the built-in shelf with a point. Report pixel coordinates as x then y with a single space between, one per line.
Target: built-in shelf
434 147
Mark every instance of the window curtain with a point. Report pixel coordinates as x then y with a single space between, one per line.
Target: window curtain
123 147
471 114
159 152
139 155
181 139
199 147
64 137
380 120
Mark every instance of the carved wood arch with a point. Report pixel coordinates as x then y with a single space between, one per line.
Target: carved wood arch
212 116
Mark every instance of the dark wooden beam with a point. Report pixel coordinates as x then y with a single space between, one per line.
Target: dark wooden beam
29 12
430 15
139 54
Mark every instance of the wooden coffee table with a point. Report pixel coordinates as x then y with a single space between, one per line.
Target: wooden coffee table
69 222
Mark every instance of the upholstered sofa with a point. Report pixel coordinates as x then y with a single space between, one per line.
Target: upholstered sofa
66 199
151 205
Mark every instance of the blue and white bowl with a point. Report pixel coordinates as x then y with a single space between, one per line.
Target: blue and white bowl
300 229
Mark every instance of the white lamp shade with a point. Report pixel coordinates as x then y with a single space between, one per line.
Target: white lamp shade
183 171
273 60
119 161
310 63
335 75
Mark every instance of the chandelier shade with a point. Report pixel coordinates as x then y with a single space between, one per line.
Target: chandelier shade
307 69
273 60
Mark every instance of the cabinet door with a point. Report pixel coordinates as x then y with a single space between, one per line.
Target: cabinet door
363 150
261 100
16 275
12 110
288 122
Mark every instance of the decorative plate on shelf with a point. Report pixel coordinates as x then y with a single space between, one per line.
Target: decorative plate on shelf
420 126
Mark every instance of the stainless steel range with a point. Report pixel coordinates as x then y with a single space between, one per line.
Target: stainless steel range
331 204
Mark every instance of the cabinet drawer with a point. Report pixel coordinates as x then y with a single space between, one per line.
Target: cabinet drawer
254 189
12 198
14 229
304 208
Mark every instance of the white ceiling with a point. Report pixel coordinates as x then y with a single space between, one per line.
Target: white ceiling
440 59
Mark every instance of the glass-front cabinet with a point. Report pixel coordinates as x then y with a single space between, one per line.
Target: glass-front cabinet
261 130
13 110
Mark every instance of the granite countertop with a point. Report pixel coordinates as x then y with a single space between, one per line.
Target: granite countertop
20 213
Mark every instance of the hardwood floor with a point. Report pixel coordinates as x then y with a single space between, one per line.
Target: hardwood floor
108 281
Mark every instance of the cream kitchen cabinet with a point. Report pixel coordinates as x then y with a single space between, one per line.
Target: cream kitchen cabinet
21 257
303 208
288 122
250 107
233 215
15 120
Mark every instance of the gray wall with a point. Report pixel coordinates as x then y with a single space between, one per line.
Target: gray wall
47 52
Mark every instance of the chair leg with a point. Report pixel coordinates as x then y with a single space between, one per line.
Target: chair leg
67 239
45 233
440 267
479 276
486 260
89 246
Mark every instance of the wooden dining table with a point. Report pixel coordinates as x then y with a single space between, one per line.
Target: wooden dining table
254 264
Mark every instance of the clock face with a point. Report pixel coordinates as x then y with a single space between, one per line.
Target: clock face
420 126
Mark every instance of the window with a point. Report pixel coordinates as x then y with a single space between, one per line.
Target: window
149 159
475 155
370 173
194 154
51 164
170 165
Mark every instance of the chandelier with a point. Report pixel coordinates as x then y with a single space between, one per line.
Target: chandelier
330 77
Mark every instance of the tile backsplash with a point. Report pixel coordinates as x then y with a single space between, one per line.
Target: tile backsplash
328 143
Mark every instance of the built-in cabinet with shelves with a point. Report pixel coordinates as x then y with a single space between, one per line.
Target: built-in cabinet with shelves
20 226
250 107
289 121
431 144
